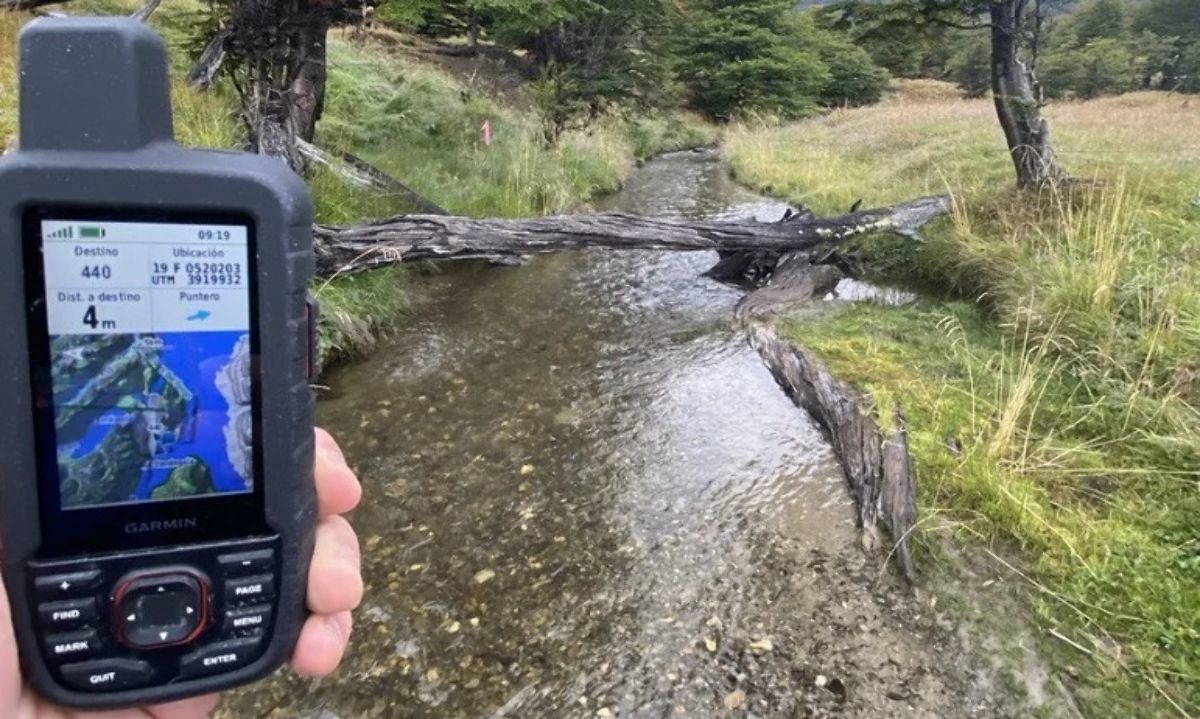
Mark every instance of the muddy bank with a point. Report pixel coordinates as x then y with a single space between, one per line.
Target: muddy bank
586 497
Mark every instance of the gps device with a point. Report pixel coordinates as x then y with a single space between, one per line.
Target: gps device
156 448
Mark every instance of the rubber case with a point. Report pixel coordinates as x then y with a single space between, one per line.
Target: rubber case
96 130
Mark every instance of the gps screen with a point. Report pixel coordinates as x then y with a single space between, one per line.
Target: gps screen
150 360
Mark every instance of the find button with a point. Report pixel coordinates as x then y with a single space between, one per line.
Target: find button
64 615
160 610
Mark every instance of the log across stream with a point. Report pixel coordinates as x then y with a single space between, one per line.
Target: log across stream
585 496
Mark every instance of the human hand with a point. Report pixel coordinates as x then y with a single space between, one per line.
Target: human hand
335 587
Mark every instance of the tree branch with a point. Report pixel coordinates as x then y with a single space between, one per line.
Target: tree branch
960 26
209 63
144 12
359 173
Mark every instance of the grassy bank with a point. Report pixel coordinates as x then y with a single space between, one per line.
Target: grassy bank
1053 389
424 126
419 123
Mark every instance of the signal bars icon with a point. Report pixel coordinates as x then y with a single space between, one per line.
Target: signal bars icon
85 232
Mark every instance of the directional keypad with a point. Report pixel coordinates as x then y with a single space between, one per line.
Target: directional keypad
160 611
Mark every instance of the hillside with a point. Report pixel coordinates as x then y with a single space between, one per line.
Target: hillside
1050 375
418 118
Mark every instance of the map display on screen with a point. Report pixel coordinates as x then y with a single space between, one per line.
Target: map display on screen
149 331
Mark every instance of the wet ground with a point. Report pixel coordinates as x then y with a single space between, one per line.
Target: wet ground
585 497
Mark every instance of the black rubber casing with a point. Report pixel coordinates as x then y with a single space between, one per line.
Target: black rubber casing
96 132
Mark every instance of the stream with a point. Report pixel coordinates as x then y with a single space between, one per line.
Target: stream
585 496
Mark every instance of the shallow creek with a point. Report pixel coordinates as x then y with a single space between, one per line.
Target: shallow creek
586 497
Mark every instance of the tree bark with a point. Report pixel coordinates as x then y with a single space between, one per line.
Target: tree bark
1018 106
143 13
874 454
204 72
307 73
423 237
795 280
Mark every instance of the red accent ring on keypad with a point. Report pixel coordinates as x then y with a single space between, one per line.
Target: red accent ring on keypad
127 582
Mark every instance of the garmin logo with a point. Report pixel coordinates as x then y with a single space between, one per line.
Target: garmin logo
164 525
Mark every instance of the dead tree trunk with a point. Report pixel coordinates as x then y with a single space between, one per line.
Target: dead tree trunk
307 73
873 452
423 237
204 72
1018 105
277 52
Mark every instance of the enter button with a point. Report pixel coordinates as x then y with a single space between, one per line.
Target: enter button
218 658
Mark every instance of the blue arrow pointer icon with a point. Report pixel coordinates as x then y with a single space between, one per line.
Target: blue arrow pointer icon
200 315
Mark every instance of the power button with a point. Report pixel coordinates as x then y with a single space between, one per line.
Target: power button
313 310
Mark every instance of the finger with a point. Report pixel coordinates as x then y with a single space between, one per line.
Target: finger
338 490
10 673
335 578
195 707
322 644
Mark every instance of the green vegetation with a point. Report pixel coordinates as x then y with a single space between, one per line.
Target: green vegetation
423 126
722 58
419 123
186 480
1053 392
1087 49
757 57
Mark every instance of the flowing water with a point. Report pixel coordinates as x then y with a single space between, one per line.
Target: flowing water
586 497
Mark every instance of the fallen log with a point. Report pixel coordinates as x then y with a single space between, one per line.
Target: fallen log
408 238
795 280
874 454
17 5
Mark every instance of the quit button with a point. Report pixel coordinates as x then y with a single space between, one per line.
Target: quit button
108 675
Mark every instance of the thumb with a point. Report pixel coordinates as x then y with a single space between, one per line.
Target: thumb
10 671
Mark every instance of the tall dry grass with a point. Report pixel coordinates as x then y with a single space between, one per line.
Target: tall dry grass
1060 350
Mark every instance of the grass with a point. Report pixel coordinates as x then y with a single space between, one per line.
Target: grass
1060 356
425 127
415 121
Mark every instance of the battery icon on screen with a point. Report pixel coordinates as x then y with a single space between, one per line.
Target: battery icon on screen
90 233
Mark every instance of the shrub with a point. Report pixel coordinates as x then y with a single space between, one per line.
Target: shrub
971 67
854 78
1102 67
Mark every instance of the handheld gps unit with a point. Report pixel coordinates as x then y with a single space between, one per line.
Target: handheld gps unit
156 450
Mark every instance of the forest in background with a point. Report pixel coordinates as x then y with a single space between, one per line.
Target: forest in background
733 59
